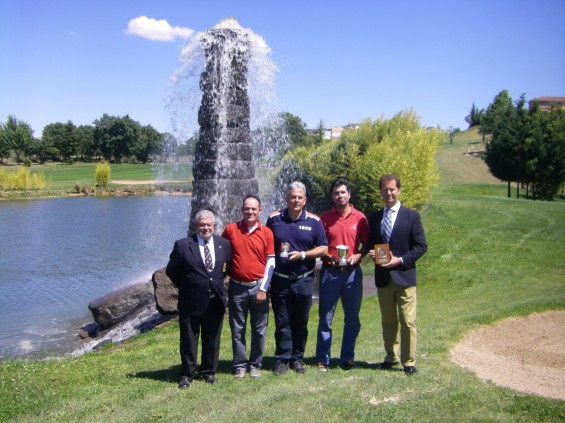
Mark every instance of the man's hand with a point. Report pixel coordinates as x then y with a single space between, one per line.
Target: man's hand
260 297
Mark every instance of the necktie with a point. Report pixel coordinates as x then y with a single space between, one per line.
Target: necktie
387 224
207 257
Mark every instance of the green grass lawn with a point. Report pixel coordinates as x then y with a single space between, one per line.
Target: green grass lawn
489 258
64 176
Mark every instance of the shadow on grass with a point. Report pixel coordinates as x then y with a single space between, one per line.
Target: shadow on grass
172 374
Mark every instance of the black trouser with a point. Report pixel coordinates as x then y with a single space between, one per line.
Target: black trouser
209 327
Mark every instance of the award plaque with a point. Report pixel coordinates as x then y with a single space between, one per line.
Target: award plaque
382 254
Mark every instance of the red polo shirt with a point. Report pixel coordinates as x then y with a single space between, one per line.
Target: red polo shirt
350 230
249 250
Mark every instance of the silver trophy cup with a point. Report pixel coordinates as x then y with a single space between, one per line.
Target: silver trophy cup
285 248
342 253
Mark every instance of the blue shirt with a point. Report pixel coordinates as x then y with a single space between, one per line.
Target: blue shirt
303 234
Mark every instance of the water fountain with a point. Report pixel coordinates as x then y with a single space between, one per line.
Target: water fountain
235 62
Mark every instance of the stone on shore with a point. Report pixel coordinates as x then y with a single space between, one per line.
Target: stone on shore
166 294
120 305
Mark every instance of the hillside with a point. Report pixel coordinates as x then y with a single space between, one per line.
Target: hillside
459 163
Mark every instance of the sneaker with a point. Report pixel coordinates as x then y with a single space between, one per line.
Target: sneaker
298 366
348 365
239 373
280 368
254 372
322 367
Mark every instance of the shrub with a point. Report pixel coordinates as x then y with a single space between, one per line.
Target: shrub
21 179
102 174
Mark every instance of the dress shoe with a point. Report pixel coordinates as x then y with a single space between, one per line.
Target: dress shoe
348 365
184 382
209 379
386 365
410 370
322 367
280 368
298 366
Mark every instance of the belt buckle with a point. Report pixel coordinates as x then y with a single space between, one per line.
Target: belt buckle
293 277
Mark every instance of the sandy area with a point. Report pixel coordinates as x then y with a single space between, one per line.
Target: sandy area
526 354
147 182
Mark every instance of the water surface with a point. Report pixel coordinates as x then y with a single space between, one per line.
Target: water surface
57 255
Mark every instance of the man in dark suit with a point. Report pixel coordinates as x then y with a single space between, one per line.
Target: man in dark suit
197 267
402 229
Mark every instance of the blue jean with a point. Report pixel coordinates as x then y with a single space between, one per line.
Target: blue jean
241 303
336 283
291 302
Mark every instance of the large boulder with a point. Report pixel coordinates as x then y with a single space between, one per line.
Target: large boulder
120 305
166 294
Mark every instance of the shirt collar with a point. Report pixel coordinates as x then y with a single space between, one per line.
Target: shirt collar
301 217
394 208
201 241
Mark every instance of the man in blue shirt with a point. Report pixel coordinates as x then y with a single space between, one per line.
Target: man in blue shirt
304 238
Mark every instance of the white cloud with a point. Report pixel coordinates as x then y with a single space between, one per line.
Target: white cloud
158 30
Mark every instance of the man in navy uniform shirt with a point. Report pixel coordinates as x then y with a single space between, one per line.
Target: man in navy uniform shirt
291 287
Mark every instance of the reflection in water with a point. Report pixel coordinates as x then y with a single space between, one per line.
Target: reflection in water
59 254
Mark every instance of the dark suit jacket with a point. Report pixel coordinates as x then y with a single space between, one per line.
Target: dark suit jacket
187 271
407 241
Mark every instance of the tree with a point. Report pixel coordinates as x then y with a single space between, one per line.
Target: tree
452 132
63 138
545 151
16 136
295 128
526 146
501 122
86 146
475 116
115 136
147 143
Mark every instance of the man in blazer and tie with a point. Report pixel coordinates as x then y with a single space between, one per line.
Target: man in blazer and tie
197 267
402 229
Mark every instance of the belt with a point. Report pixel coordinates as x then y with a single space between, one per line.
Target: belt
346 267
293 277
248 284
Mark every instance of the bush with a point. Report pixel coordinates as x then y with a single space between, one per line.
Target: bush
399 145
102 174
21 179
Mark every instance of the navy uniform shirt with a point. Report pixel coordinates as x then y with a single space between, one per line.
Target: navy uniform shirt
303 234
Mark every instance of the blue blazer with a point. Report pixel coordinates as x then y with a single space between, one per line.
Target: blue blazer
188 273
407 241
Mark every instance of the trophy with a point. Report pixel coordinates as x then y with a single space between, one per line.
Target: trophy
382 254
342 253
285 247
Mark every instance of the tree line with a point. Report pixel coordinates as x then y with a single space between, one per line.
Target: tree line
525 145
115 139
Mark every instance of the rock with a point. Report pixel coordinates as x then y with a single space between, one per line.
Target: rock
120 305
166 294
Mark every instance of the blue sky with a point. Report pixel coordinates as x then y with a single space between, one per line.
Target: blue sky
339 62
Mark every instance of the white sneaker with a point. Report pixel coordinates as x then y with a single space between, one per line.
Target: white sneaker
239 373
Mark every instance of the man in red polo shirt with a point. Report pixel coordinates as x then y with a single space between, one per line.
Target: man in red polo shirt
251 269
345 226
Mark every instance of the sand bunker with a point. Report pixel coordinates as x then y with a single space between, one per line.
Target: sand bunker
526 354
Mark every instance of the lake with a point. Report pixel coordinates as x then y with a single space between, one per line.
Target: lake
57 255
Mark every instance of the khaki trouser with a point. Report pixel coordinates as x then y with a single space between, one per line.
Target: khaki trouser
398 308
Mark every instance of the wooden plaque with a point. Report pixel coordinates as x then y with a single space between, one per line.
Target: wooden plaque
382 254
